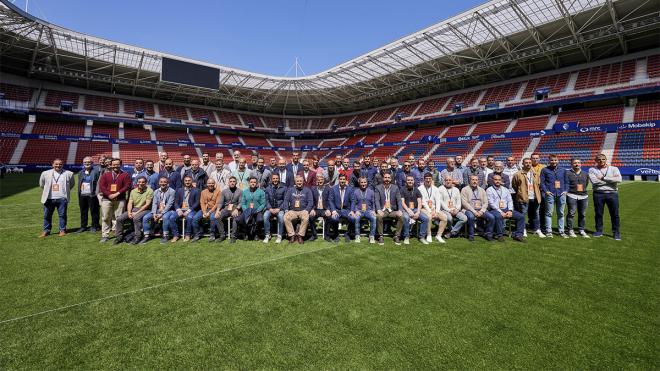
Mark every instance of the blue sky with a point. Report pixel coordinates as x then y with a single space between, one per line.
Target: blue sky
258 36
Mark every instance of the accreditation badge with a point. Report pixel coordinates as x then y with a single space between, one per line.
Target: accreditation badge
411 205
477 204
502 204
557 184
364 206
296 204
580 187
113 188
230 207
55 187
251 205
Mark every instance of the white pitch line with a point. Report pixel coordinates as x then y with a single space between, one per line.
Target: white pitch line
159 285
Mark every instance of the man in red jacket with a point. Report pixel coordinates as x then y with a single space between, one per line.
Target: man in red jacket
113 186
308 175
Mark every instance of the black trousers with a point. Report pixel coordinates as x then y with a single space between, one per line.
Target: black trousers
89 204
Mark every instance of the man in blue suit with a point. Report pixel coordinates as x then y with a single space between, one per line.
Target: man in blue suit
187 206
363 206
321 194
295 166
287 176
339 202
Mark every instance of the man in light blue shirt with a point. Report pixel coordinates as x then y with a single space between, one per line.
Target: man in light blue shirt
501 205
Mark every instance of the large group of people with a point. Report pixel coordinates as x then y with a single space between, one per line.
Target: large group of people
247 197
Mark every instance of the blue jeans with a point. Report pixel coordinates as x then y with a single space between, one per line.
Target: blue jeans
424 221
192 223
558 203
371 217
280 222
148 221
49 208
531 209
612 201
579 206
172 223
487 217
517 217
460 220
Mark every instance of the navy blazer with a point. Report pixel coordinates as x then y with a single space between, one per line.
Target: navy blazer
290 176
326 196
275 197
307 199
334 198
395 197
94 175
193 199
289 167
174 178
369 199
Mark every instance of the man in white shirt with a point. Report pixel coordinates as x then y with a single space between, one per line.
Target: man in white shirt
450 205
431 206
56 185
510 170
605 180
221 175
234 164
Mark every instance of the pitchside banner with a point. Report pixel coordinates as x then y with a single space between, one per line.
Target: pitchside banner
562 127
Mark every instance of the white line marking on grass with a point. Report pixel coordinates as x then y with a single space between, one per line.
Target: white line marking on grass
161 285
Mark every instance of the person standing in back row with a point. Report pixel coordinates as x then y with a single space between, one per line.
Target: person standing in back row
113 186
605 180
553 185
56 185
577 197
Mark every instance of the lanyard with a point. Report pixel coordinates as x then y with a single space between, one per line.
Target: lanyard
363 194
114 177
448 193
429 191
529 177
607 169
241 177
387 194
475 194
57 180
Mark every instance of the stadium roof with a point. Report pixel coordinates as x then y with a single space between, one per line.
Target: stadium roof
498 40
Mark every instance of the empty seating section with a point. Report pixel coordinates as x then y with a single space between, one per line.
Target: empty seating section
495 127
407 110
452 149
101 104
499 94
421 133
593 116
255 141
43 151
16 92
382 115
54 97
228 139
204 138
468 99
531 123
130 152
584 146
171 135
501 149
7 147
322 124
354 140
12 125
94 150
298 124
272 122
362 118
432 106
647 111
653 66
556 84
396 136
173 112
133 132
638 148
251 119
457 131
110 129
608 74
199 113
310 143
130 106
344 121
56 128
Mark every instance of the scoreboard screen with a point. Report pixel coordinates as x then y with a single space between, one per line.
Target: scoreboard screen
187 73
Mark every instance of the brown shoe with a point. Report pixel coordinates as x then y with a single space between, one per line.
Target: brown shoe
293 239
44 234
174 239
186 239
301 240
62 234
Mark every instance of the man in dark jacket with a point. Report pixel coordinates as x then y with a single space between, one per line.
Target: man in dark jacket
321 194
88 201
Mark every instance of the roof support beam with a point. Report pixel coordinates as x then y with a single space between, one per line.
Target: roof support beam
502 41
35 50
137 75
531 29
573 28
57 58
615 23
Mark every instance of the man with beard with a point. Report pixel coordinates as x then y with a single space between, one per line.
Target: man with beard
275 194
88 179
308 175
298 202
138 171
339 202
229 207
187 206
139 204
253 203
411 204
162 209
363 207
475 205
261 173
474 169
221 175
331 175
173 177
206 164
242 175
356 174
160 165
199 177
183 169
388 205
208 201
286 176
378 177
113 186
152 176
321 194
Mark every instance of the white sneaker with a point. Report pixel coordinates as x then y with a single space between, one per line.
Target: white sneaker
357 239
524 233
267 238
429 238
406 241
278 239
439 238
539 233
563 235
584 234
424 241
372 239
572 233
548 234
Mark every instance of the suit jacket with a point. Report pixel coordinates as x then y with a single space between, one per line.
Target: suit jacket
289 181
193 199
311 178
369 199
395 197
289 167
326 190
46 181
334 198
94 176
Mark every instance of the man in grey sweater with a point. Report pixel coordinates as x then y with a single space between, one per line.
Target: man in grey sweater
605 180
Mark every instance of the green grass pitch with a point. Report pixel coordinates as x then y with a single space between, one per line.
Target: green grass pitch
549 304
